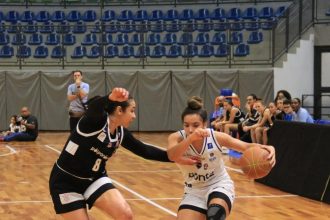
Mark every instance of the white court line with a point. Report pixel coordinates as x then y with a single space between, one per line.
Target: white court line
129 190
11 151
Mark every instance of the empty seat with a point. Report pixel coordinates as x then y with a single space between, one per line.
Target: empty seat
63 27
47 27
202 14
2 16
78 52
30 27
14 27
18 39
128 26
218 13
186 14
6 51
89 16
188 26
206 51
140 15
135 39
237 25
52 39
156 15
157 26
106 39
95 52
171 14
58 16
27 16
121 39
4 39
2 27
280 11
250 13
234 14
252 24
190 51
41 52
97 28
23 52
69 39
112 27
219 38
42 16
169 38
89 39
142 52
79 28
111 52
125 15
172 26
202 38
12 16
108 15
58 52
204 26
185 38
35 39
174 51
73 16
220 25
268 24
255 37
143 27
126 52
242 50
153 39
222 50
158 51
236 38
266 12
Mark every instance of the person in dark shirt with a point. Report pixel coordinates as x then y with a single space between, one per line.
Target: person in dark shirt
79 178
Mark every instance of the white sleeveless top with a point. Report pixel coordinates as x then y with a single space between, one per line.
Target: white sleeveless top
210 171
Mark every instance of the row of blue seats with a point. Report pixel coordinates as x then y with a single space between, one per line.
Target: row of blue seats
127 51
131 26
143 15
135 39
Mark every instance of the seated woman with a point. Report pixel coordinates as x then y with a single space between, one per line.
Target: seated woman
261 133
14 127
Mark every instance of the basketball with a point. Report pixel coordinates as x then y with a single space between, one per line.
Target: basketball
254 162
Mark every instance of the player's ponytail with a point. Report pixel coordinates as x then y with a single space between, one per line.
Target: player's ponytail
195 106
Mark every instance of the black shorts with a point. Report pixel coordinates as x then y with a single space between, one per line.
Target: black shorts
70 193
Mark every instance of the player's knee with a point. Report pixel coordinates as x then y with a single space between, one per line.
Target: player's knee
216 212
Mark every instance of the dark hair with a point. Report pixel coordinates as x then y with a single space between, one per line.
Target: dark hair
195 106
111 106
254 96
298 100
285 93
286 102
77 71
229 101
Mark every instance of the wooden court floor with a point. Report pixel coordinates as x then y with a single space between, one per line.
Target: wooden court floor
153 189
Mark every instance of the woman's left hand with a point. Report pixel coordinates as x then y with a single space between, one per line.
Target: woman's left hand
271 156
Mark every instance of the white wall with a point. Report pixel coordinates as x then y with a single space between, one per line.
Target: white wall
297 74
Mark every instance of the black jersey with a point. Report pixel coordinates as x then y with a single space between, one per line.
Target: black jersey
91 145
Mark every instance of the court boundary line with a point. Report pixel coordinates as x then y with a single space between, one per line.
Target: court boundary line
12 151
129 190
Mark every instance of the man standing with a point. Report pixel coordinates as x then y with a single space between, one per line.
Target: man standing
77 95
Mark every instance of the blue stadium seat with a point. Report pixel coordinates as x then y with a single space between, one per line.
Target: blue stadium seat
2 27
158 52
30 27
2 16
242 50
112 27
127 27
156 15
52 39
78 52
69 39
89 39
121 39
189 26
252 24
18 39
79 27
95 52
172 26
266 12
204 26
220 25
135 39
174 51
6 51
108 15
202 14
153 39
63 27
127 51
47 27
96 28
143 26
58 52
218 13
171 14
190 51
23 52
206 51
42 16
185 38
35 39
250 13
219 38
14 27
58 16
186 14
142 52
280 11
222 50
169 39
236 38
268 24
111 52
41 52
27 16
89 16
4 39
125 15
12 16
234 14
106 39
202 38
237 25
73 16
157 26
255 37
140 15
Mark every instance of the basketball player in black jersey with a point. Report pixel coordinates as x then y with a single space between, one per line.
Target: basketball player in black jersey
79 177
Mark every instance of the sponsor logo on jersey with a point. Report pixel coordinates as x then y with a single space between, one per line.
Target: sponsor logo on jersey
102 136
99 153
188 184
200 177
209 146
198 165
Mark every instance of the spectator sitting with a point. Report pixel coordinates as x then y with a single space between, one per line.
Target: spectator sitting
282 94
273 109
279 109
217 115
302 114
14 126
289 113
30 124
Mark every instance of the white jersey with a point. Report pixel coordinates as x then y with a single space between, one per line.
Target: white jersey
210 171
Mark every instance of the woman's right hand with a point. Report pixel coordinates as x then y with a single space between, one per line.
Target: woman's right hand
119 95
198 134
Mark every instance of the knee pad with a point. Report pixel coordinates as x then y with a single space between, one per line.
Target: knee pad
216 212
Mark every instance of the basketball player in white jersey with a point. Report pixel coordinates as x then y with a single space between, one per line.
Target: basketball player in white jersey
209 190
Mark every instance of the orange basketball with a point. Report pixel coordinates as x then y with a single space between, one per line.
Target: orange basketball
254 162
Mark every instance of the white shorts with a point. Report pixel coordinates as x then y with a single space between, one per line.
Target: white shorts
199 197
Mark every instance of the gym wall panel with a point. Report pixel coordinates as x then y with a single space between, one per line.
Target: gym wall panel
4 121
